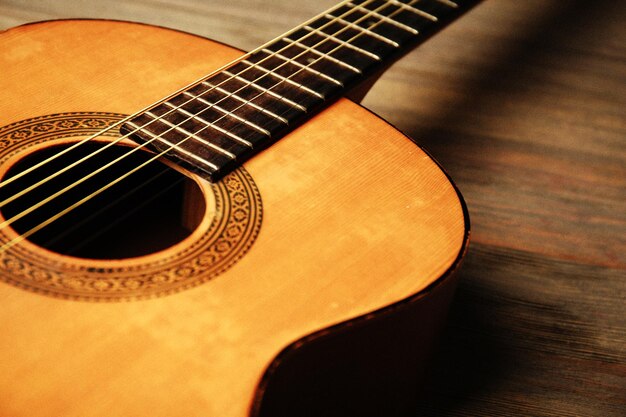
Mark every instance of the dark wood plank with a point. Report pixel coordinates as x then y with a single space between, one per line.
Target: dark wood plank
524 104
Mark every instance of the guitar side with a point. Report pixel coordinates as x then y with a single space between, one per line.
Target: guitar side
360 236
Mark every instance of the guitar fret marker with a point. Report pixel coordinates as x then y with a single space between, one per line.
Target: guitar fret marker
415 10
285 79
192 135
175 146
228 113
265 90
304 67
324 55
248 102
343 43
363 30
208 124
385 18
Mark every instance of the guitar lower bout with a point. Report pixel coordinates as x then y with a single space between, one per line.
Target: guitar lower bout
344 231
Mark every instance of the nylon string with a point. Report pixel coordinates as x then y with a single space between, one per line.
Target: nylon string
156 156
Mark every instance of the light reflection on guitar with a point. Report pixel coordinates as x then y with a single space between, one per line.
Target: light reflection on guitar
334 246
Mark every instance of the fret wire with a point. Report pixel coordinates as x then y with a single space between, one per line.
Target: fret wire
126 120
415 10
324 55
370 12
212 125
311 70
193 135
154 136
306 49
331 37
366 31
388 20
246 83
309 49
142 129
341 44
287 80
137 128
227 113
248 102
159 137
357 21
267 90
270 42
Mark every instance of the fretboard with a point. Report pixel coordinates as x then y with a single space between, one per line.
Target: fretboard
214 125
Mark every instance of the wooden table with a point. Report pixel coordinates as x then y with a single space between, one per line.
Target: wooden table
524 103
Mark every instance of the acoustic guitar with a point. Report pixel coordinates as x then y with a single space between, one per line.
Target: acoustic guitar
252 244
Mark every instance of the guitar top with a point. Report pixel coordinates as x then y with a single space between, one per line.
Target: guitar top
171 248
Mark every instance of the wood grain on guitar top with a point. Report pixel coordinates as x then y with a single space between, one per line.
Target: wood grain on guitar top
355 218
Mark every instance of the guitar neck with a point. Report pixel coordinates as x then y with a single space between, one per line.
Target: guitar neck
214 125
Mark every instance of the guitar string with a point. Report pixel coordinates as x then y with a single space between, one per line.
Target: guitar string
152 105
304 67
198 81
80 202
105 228
66 168
141 146
124 176
127 135
40 203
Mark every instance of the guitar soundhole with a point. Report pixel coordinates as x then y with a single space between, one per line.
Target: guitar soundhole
119 212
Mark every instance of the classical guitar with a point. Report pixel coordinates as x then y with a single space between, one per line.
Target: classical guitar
251 244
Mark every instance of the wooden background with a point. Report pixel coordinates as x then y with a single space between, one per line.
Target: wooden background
524 103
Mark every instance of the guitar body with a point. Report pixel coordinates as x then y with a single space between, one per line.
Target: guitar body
317 255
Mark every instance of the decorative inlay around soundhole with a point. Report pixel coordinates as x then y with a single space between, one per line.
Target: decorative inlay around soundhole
223 234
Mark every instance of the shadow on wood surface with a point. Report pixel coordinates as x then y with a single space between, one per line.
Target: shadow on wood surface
520 339
524 333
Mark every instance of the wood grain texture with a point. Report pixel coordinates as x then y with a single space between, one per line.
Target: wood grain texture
351 224
523 103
